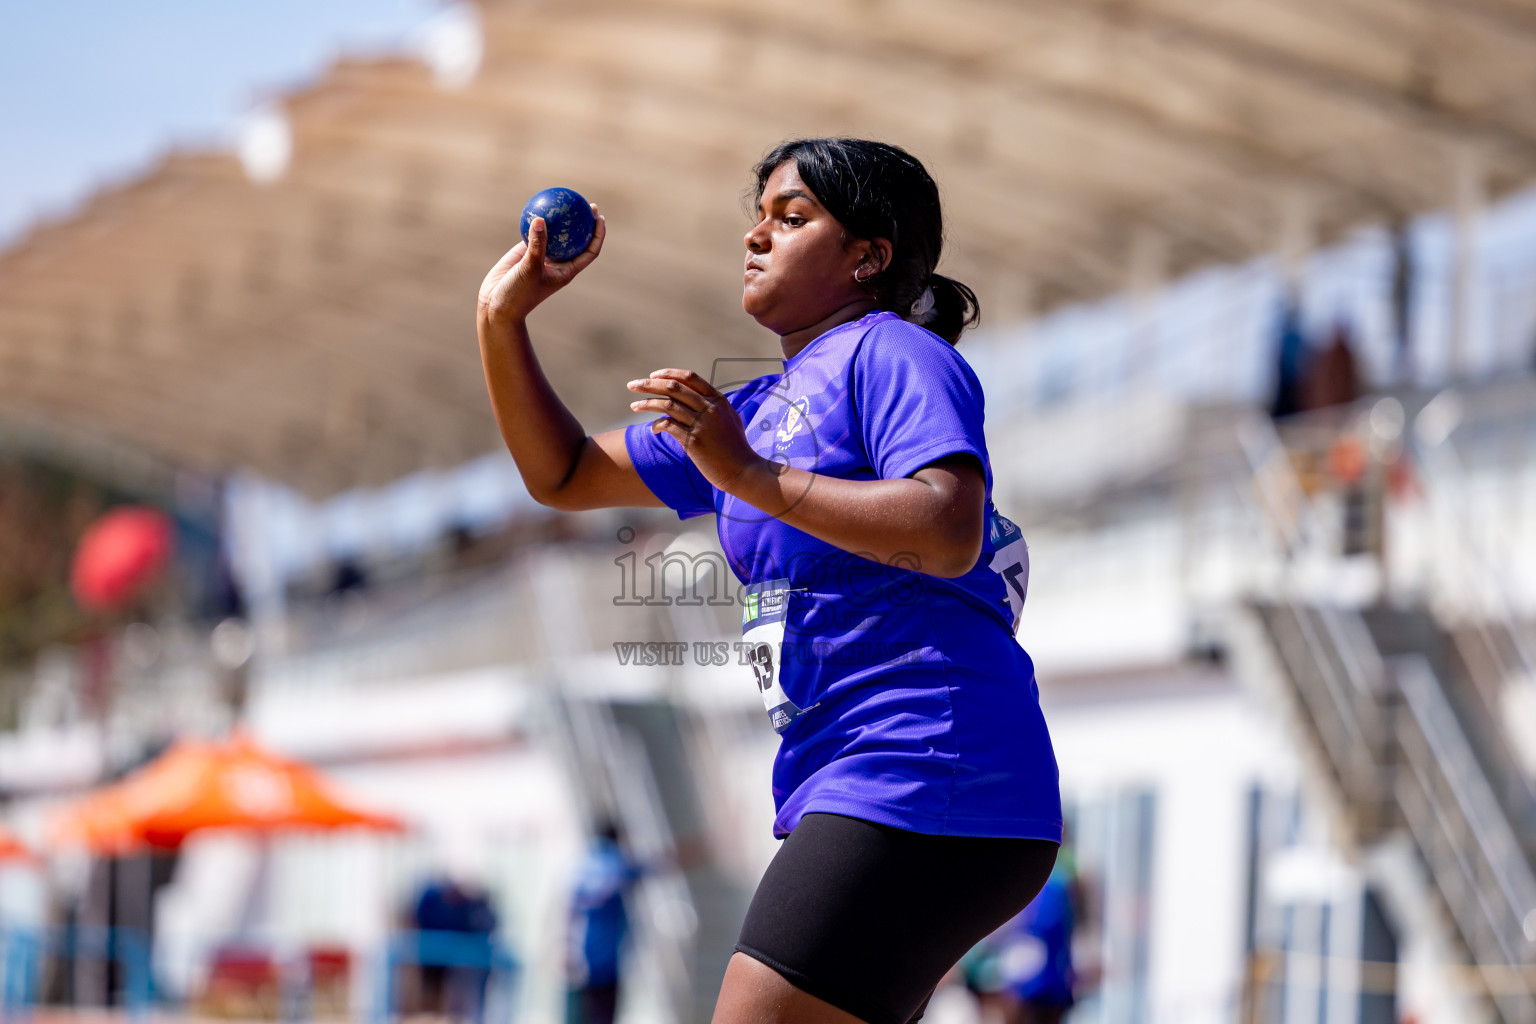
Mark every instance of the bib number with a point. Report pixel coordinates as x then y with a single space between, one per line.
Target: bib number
764 613
1010 560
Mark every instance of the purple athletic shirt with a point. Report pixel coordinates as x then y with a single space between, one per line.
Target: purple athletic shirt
921 710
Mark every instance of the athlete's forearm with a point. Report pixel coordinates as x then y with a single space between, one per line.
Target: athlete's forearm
933 525
544 437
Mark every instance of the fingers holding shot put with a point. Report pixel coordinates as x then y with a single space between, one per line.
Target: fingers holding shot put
541 264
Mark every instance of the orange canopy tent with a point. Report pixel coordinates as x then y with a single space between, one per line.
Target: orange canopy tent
196 785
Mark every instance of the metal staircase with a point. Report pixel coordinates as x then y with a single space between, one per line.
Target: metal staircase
1406 741
1399 759
630 758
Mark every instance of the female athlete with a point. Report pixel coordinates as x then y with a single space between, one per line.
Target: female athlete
915 782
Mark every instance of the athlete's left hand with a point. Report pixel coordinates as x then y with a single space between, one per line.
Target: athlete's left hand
702 420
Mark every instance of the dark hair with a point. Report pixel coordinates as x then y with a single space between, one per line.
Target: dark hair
876 190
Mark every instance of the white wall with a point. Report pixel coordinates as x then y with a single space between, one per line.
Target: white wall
1199 743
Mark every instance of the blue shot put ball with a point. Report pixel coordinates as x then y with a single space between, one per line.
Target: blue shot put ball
569 219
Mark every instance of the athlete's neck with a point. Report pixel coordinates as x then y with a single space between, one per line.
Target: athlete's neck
794 341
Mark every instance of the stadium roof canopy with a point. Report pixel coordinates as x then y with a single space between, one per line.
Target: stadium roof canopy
318 327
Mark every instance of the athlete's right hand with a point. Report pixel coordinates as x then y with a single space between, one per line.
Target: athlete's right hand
523 278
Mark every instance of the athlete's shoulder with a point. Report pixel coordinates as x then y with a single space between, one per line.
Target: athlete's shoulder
891 326
893 342
898 335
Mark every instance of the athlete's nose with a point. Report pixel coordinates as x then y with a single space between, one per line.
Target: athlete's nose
756 240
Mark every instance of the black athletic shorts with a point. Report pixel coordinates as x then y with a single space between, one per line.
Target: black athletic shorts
869 918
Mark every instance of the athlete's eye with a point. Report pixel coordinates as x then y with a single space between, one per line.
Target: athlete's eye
794 220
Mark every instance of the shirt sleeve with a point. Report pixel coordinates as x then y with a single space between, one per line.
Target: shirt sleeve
917 401
669 472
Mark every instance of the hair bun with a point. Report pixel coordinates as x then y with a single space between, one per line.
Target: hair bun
954 308
923 305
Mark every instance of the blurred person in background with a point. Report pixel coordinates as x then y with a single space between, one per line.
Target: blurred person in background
1290 360
1034 959
915 782
599 928
1023 973
1333 374
454 970
979 972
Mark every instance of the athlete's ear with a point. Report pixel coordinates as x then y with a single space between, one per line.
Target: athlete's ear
874 256
878 253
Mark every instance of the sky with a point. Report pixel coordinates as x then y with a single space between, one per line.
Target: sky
92 91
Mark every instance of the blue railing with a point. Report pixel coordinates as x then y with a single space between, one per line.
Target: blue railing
24 951
453 950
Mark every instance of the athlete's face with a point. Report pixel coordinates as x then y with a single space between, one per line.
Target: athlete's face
800 263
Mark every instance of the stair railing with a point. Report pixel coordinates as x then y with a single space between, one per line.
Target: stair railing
1444 795
1328 653
1445 479
614 776
1442 792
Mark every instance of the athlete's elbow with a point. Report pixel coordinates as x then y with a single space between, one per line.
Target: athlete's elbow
952 567
954 526
563 493
955 558
561 498
549 492
552 500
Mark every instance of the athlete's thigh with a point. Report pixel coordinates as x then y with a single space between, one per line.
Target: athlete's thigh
868 918
754 993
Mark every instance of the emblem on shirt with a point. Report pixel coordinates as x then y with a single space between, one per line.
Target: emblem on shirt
793 418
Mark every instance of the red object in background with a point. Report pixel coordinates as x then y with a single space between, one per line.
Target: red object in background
329 965
120 555
13 849
1346 460
243 968
1402 481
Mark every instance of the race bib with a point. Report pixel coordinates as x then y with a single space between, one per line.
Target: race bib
764 611
1010 560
